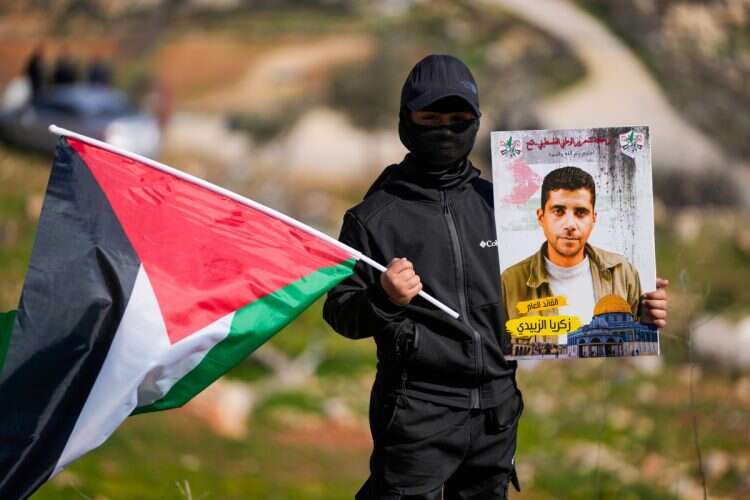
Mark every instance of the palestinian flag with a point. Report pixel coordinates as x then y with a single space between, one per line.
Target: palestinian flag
145 285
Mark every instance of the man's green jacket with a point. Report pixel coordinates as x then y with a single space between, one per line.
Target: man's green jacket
610 272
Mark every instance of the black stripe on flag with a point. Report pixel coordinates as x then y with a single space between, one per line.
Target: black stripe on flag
79 281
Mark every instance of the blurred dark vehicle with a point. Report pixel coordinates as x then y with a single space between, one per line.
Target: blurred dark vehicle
94 110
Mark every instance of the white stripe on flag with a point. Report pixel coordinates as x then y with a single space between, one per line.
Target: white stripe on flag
141 366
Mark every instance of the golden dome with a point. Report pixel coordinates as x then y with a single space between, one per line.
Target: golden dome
612 304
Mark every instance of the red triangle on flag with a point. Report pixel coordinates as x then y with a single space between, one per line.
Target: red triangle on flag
206 255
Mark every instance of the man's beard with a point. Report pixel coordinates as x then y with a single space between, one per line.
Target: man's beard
562 248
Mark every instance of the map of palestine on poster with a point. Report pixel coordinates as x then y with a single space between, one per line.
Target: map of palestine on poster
575 227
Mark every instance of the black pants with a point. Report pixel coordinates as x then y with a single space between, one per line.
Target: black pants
425 451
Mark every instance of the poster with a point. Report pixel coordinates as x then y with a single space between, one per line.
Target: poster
575 226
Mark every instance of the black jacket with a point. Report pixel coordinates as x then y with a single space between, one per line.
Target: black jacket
446 228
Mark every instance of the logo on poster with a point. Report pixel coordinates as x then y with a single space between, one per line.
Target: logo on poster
510 148
632 142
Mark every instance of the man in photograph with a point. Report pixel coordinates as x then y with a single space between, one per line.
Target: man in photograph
566 264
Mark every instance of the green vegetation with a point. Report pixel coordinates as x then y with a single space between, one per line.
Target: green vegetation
260 23
264 128
23 179
712 268
149 455
301 401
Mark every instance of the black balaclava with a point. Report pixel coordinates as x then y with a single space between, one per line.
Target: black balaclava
439 83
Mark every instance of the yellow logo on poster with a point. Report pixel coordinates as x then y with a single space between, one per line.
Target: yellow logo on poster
543 325
542 304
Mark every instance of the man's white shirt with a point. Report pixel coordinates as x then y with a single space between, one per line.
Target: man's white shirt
577 285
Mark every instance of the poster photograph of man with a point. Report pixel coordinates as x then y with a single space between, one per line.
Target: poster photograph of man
574 215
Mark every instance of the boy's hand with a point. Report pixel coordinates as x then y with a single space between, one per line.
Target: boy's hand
655 304
400 282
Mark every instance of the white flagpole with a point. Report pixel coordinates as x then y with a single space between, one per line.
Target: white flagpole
243 200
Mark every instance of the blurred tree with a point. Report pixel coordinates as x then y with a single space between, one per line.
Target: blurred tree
369 94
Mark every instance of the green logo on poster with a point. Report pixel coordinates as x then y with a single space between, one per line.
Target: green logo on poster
632 142
510 148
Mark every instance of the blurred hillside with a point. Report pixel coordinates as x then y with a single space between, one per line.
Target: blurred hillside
700 51
295 103
315 83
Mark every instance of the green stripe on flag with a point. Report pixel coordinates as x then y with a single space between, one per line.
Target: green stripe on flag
251 327
7 320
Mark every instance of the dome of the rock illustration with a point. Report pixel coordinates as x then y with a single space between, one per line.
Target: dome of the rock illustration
611 304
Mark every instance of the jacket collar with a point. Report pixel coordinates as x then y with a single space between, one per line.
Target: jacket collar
412 172
538 273
411 181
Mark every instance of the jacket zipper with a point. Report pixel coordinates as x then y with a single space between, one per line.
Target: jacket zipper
478 361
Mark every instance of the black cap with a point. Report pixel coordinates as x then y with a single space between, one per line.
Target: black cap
438 76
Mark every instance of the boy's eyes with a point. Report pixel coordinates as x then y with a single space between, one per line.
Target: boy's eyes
428 118
437 119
